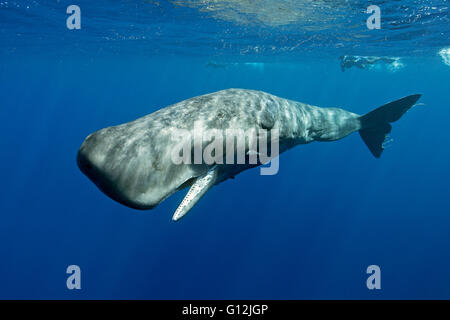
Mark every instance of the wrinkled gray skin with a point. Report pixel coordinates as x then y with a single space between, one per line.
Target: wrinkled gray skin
131 162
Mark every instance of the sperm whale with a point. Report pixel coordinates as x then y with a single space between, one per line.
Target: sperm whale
133 163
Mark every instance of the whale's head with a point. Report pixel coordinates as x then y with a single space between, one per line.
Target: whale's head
102 158
132 165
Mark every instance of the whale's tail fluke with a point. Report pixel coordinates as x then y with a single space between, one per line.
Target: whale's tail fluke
375 125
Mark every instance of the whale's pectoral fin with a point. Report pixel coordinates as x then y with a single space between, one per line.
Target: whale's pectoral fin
200 186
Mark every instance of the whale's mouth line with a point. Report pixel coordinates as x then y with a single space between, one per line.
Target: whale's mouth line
186 184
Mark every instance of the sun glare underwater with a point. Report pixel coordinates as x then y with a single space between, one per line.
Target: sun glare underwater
310 231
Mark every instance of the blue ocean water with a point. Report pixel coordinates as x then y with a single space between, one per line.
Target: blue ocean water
308 232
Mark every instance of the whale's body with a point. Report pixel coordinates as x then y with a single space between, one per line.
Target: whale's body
132 164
